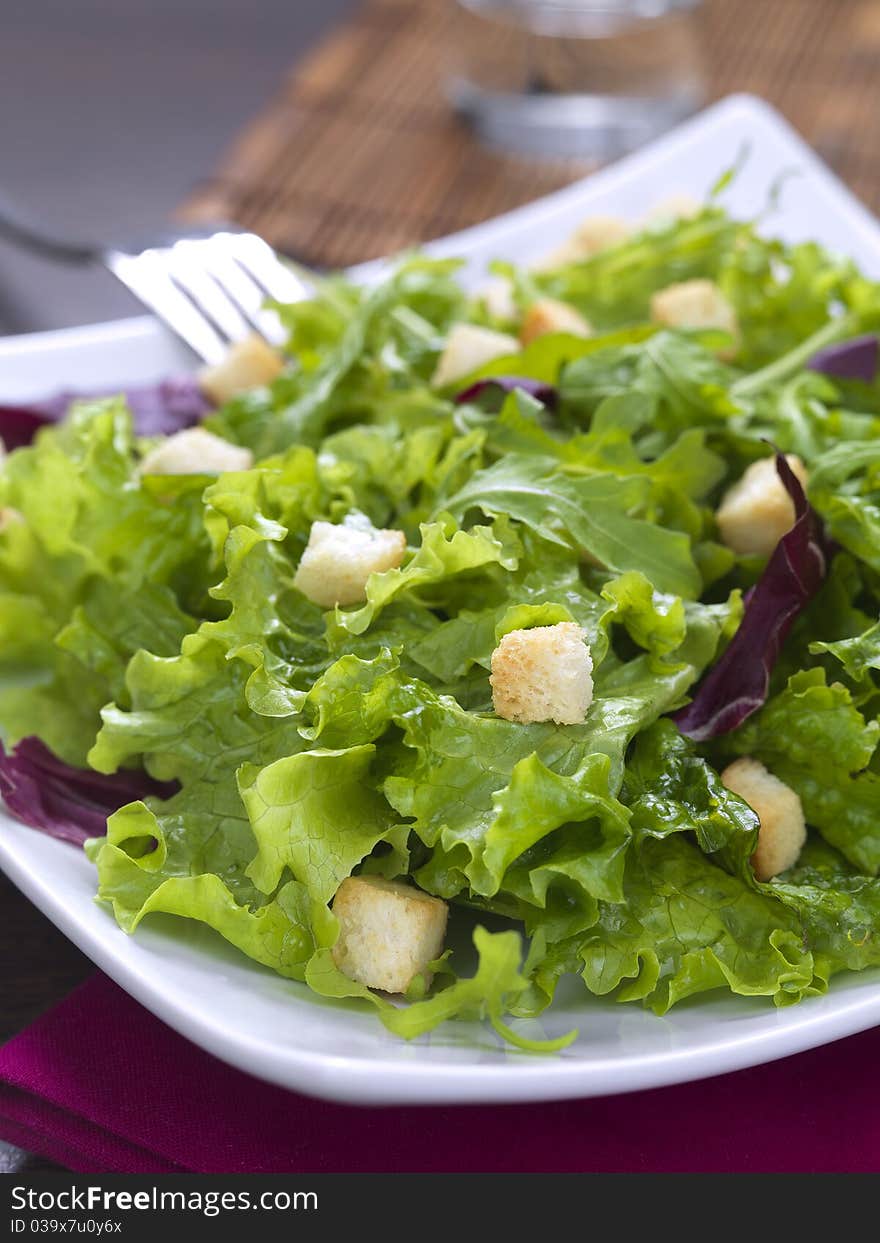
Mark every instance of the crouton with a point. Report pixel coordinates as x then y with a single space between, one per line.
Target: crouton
195 451
339 559
782 831
600 233
543 674
677 206
249 364
468 347
388 932
756 511
497 297
10 517
595 234
696 304
548 315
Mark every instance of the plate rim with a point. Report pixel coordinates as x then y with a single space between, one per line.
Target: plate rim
524 1078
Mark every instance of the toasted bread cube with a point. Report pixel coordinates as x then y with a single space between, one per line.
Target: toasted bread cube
543 674
250 363
388 932
696 304
497 297
10 517
782 831
548 315
677 206
756 511
595 234
339 559
468 347
195 451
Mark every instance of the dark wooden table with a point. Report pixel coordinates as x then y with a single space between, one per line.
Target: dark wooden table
374 92
372 96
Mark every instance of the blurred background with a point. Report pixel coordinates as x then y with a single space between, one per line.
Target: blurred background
343 129
115 110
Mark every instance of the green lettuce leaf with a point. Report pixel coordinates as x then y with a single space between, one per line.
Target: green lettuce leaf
839 909
94 563
139 878
686 927
317 814
858 655
483 789
443 553
189 721
840 795
670 789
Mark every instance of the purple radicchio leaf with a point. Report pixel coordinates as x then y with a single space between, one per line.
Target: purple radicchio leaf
737 685
855 359
157 410
71 804
19 425
491 391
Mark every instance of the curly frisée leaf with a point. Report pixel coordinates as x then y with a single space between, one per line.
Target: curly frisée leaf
737 685
489 993
315 813
443 552
687 927
814 738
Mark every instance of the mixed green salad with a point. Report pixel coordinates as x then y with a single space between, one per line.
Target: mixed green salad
151 625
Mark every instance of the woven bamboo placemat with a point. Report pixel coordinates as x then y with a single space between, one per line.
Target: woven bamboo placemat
359 153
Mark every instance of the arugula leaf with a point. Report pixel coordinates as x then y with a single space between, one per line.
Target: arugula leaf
592 513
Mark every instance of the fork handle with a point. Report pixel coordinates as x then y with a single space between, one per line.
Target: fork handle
13 230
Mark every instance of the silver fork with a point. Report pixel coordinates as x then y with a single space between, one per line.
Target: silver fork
210 285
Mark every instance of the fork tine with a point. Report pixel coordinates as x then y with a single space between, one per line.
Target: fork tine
146 275
187 266
211 289
241 287
261 262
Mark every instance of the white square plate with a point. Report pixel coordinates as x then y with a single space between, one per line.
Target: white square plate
278 1030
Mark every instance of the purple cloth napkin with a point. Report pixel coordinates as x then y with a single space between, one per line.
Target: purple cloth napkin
100 1085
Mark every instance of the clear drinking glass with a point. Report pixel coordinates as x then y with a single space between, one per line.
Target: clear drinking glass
586 78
